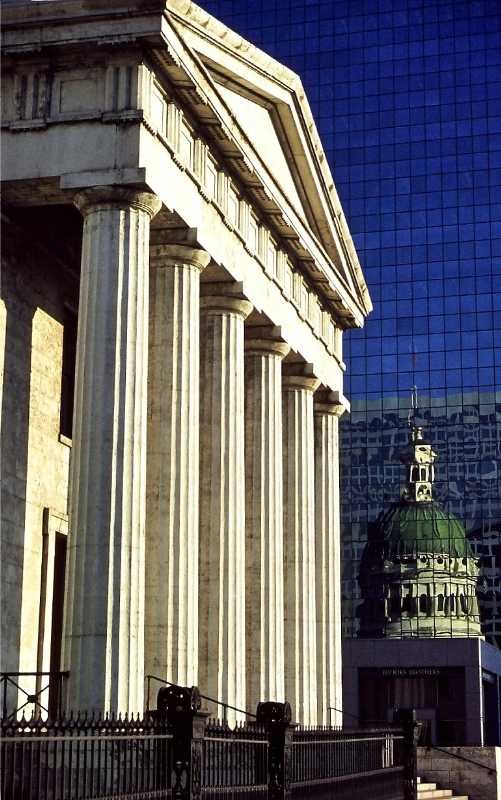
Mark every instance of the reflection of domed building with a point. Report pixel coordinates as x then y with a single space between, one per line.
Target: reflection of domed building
418 572
420 643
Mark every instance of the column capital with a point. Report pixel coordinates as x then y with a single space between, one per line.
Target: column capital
299 376
266 347
224 298
265 340
118 196
327 402
290 382
174 254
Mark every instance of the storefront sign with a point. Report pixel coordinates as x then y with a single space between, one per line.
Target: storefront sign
410 672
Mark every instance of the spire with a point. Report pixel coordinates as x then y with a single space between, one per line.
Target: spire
419 457
414 405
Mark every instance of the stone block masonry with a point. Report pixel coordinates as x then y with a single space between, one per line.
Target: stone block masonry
473 771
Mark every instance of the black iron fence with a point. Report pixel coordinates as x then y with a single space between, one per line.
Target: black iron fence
235 762
355 763
175 752
75 758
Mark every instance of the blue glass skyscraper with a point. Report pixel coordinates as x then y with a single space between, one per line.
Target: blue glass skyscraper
407 99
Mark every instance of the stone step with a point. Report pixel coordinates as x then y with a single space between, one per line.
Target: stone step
429 791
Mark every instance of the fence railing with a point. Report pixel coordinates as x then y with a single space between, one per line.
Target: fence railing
75 758
372 762
235 760
176 752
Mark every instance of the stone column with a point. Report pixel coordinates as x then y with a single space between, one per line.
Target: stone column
264 574
222 499
327 410
104 625
299 545
171 605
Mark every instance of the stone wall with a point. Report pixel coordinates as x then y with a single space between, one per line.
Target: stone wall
463 777
35 289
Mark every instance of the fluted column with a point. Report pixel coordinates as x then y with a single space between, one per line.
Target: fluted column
264 572
299 546
327 411
104 626
171 605
222 500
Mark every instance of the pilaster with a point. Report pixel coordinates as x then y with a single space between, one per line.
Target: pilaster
299 544
222 498
105 589
264 573
171 606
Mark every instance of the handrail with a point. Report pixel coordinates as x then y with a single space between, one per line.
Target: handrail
341 711
203 696
461 758
6 675
12 678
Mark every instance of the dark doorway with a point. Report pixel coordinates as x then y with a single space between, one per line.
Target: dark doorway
437 695
68 372
57 620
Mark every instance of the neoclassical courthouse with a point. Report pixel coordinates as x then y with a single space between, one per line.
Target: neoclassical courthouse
177 275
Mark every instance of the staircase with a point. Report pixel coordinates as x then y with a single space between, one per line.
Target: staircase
429 791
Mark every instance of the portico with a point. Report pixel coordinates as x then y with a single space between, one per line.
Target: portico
216 281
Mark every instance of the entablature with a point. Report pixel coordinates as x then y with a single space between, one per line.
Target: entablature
119 86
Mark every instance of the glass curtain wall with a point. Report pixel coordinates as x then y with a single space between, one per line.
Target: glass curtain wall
407 98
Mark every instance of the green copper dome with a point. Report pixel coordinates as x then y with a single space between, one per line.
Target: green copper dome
409 529
418 572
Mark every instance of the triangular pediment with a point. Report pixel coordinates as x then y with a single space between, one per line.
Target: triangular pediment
257 123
